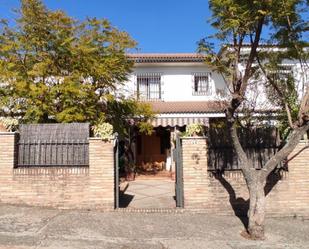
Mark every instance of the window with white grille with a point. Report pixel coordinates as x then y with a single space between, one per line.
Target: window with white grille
282 73
148 86
201 84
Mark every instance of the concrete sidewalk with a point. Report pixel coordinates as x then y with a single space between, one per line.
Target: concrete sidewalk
28 227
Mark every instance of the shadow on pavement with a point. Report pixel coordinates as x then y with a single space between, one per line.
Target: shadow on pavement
125 200
240 205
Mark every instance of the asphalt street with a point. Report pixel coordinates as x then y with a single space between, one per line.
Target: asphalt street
32 227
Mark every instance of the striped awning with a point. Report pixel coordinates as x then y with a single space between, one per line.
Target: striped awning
179 121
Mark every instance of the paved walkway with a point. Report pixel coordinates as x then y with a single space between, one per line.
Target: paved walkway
27 227
149 193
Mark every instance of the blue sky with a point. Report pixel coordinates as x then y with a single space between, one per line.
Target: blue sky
157 26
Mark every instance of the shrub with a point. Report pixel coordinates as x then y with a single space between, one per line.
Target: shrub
194 130
103 130
10 124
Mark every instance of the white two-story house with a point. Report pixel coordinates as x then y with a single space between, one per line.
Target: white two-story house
182 90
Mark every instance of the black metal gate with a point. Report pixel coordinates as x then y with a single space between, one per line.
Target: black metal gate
116 168
179 174
53 145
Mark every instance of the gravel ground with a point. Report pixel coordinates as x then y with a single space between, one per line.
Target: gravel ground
31 227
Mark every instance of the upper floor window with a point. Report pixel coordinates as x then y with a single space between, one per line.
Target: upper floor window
282 73
201 84
148 86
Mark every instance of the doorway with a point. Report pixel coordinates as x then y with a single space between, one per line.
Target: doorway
154 186
153 153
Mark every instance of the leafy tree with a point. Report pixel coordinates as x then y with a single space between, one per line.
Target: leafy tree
128 117
247 25
56 69
126 113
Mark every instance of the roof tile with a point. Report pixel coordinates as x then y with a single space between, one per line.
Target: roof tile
188 106
168 57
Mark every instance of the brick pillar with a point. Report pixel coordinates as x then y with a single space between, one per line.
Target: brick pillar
195 177
8 151
101 173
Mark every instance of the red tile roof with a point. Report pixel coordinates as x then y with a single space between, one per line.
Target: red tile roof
188 106
168 57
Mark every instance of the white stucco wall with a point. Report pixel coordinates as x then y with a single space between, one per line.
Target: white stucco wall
177 80
256 94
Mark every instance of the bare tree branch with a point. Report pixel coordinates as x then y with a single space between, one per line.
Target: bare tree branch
279 92
291 144
218 60
252 55
244 163
273 83
304 108
290 121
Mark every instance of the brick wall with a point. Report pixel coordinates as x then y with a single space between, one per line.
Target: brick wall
288 191
63 187
101 172
93 186
196 183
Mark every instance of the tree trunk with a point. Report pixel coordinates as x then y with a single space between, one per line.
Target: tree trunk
256 213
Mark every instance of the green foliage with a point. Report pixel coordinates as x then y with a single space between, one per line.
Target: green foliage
103 130
128 116
57 69
194 130
10 124
124 113
250 28
247 31
236 22
145 127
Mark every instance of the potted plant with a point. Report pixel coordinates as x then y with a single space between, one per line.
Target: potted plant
194 130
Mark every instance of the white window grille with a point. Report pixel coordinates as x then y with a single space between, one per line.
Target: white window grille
282 73
201 84
148 86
